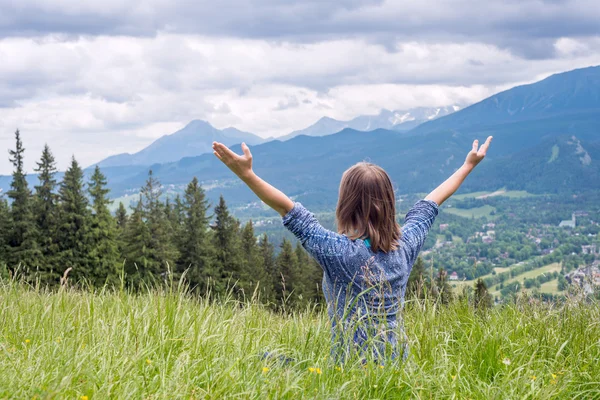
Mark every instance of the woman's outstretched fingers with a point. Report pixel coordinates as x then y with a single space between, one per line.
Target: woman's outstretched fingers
486 145
475 145
246 150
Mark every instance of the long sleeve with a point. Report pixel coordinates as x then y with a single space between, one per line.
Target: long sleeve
417 223
320 243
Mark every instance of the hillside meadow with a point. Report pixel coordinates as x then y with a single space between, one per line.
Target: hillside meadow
159 344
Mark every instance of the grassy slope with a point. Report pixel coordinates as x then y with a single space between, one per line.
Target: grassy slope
483 211
159 345
545 288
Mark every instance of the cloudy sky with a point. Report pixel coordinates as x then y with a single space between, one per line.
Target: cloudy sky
95 78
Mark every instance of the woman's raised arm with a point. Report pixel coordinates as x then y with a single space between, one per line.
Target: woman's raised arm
242 167
451 185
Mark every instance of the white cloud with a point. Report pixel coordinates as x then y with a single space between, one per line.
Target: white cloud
99 95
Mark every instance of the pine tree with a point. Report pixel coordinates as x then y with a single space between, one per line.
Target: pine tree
444 290
73 225
417 280
4 231
227 248
121 217
195 249
287 284
162 252
136 247
482 298
253 274
23 247
310 276
45 212
104 252
266 252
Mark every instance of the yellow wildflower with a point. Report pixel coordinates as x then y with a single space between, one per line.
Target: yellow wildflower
265 370
553 376
318 371
148 361
453 377
27 340
338 369
553 382
533 377
84 398
311 369
381 366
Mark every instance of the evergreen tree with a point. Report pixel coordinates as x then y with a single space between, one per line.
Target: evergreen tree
310 276
444 290
73 225
45 214
104 252
287 284
195 250
417 281
121 217
482 298
266 252
136 247
253 274
162 252
227 248
23 247
4 231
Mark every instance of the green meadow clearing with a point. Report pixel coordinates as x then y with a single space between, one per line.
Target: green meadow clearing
163 344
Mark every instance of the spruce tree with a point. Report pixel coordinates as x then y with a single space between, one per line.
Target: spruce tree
227 248
4 231
162 252
444 290
417 281
73 225
121 217
482 298
104 252
45 212
310 276
136 247
23 247
287 286
253 275
195 250
266 252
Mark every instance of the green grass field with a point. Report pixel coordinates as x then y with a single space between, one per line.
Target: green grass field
515 194
166 345
483 211
531 274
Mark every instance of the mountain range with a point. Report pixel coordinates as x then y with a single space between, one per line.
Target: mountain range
386 119
547 140
194 139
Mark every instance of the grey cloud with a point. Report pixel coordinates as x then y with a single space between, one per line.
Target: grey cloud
290 102
508 24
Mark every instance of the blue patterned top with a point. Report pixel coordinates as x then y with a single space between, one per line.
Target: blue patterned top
364 290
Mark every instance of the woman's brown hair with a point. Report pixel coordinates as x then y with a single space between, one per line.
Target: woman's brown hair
367 207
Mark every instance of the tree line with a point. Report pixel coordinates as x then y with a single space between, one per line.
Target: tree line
66 229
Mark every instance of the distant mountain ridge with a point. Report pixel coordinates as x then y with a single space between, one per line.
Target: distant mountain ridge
562 94
194 139
547 140
386 119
